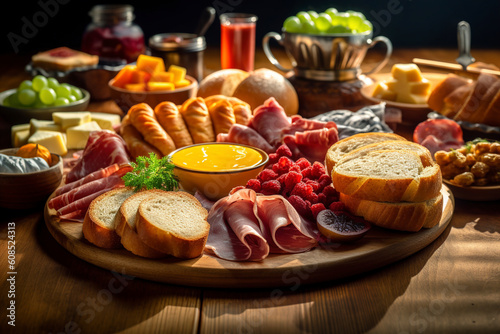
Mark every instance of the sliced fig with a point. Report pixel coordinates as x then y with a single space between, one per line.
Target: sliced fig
341 226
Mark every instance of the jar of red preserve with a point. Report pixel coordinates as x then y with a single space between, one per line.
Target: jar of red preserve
112 34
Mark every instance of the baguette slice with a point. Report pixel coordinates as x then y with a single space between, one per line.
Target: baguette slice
174 223
403 216
125 225
346 145
388 176
99 222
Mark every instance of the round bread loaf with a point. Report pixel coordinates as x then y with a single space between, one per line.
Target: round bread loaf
221 82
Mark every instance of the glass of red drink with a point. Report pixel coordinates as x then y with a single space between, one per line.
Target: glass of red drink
237 44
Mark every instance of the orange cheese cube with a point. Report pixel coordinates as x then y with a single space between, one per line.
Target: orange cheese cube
178 72
158 86
161 77
139 76
150 64
182 83
124 76
136 87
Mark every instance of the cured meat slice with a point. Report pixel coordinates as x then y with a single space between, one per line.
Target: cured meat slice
300 124
245 135
76 210
98 174
438 134
269 120
312 144
103 149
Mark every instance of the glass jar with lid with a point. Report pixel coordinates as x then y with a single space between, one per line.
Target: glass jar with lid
112 34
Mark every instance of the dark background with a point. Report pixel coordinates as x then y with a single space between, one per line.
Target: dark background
413 23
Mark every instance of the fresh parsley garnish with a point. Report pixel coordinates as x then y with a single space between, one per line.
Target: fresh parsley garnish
151 173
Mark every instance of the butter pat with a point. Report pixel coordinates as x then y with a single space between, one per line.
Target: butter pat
77 136
71 118
52 140
36 124
105 121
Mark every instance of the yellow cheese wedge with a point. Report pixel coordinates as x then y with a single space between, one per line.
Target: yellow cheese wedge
422 87
105 121
77 136
21 138
70 118
52 140
16 128
381 91
406 72
37 124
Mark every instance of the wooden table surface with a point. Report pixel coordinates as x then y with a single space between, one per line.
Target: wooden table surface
451 286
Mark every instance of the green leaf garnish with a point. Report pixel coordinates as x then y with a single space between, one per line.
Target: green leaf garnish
151 173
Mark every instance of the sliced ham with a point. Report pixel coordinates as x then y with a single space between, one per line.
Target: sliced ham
99 174
300 124
76 210
269 120
243 134
312 144
245 226
103 149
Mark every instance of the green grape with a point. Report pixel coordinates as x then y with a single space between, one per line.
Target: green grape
26 97
39 82
338 29
77 92
304 17
310 28
26 84
314 16
63 90
323 22
61 101
340 19
48 95
53 83
365 26
353 12
292 24
14 100
72 98
354 21
331 12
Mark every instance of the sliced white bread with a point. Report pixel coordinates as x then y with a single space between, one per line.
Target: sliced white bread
403 216
443 89
99 222
174 223
346 145
125 225
388 176
423 152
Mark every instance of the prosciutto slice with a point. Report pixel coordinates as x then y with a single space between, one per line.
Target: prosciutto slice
103 149
99 174
312 144
243 134
269 120
245 226
76 210
300 124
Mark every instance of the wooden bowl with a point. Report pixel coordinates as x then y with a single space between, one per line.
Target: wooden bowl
125 98
29 190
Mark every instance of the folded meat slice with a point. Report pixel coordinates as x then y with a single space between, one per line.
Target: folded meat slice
246 226
103 149
75 211
243 134
312 144
300 124
98 174
269 120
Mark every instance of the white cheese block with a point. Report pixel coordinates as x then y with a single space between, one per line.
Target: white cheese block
37 124
77 136
16 128
21 138
13 164
70 118
105 121
52 140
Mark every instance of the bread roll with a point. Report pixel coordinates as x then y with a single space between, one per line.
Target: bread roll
221 82
443 89
222 116
241 110
195 113
492 114
142 117
136 144
470 107
171 120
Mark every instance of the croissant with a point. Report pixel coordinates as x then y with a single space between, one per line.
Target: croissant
171 120
142 117
194 111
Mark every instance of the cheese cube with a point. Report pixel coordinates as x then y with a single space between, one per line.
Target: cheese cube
16 128
105 121
160 86
381 91
20 138
422 88
37 124
77 136
178 72
52 140
182 83
406 72
68 119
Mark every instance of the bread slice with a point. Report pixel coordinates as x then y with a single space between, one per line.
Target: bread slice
468 110
403 216
63 59
492 114
388 176
174 223
125 225
423 152
456 99
346 145
99 222
443 89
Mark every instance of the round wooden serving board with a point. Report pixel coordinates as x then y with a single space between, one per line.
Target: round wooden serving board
378 248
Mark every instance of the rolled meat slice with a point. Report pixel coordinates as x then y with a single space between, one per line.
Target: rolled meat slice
99 174
269 120
242 134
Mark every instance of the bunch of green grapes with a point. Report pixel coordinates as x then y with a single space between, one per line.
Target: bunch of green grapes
43 92
330 21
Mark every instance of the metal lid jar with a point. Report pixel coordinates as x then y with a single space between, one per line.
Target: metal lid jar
180 49
112 34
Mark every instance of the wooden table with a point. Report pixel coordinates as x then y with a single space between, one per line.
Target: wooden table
451 286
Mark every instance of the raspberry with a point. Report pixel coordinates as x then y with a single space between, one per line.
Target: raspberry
294 168
313 198
284 151
307 172
271 187
337 207
300 205
301 189
317 208
324 180
322 198
291 179
303 163
330 191
283 165
313 184
273 158
317 170
254 184
267 174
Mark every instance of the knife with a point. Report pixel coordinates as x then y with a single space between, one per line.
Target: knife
464 37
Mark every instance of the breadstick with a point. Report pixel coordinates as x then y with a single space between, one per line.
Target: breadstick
136 144
222 116
195 113
171 120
